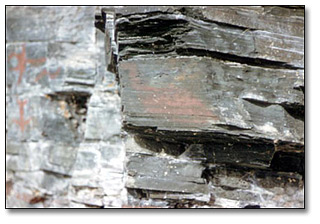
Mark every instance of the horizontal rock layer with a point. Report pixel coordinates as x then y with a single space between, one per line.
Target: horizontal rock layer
219 90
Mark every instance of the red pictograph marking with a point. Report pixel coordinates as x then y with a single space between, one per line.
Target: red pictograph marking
44 72
22 122
22 62
173 101
41 75
21 66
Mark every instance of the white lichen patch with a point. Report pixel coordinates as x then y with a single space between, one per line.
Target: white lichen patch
268 127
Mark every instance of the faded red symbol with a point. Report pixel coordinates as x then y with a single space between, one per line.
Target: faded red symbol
22 122
22 62
178 104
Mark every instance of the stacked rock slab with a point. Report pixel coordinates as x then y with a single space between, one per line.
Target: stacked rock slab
209 93
63 144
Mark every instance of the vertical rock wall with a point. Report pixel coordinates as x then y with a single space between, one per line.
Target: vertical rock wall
63 125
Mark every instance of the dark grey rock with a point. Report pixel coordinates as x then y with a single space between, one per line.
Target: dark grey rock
182 32
206 89
246 109
270 18
165 174
69 153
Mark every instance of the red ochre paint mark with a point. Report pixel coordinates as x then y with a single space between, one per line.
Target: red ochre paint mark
44 72
22 122
22 62
174 102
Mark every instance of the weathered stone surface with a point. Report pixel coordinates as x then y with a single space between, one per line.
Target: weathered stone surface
264 188
63 112
275 19
207 100
62 54
68 24
28 157
60 159
90 197
103 119
14 148
26 65
55 62
21 197
113 155
161 175
212 79
55 184
270 18
112 182
51 67
28 121
23 116
181 178
211 85
110 151
113 202
78 65
165 169
88 158
180 33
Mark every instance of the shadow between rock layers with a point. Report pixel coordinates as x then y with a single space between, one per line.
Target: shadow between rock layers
203 90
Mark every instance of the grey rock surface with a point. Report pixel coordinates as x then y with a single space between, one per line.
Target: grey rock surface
85 104
216 86
57 91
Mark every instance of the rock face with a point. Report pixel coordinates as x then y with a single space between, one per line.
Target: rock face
62 112
230 102
170 107
215 90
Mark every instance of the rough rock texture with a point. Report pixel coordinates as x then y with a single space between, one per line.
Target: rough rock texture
62 110
155 107
214 99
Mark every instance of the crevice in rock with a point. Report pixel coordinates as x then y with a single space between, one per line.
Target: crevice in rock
288 162
158 145
206 174
161 33
74 109
208 149
234 58
258 102
295 110
268 176
151 35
